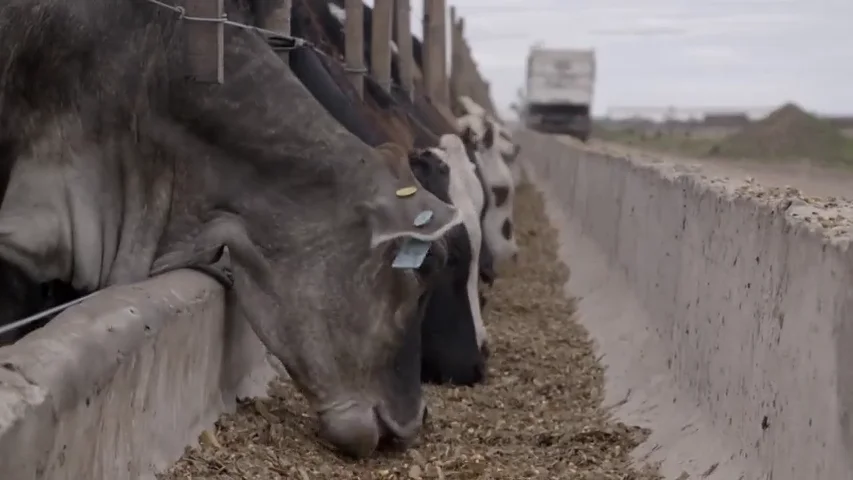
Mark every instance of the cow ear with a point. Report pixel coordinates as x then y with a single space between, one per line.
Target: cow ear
489 136
409 212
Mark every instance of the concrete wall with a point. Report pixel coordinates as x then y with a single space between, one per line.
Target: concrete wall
116 387
725 318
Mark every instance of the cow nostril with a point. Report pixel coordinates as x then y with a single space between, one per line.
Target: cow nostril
395 436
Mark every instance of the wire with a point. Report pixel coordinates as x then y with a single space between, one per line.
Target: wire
270 34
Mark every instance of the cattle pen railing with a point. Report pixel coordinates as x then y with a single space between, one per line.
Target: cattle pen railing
117 383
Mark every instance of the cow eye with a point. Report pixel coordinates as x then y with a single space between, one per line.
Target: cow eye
443 169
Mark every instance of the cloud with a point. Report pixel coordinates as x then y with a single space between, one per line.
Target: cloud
663 52
714 55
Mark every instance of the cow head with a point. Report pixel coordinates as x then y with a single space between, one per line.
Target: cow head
481 133
509 150
454 334
434 176
358 363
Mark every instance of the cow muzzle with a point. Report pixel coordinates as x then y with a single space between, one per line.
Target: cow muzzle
358 429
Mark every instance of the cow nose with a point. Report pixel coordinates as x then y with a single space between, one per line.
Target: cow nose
515 257
354 430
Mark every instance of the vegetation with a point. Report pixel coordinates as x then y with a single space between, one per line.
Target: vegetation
787 134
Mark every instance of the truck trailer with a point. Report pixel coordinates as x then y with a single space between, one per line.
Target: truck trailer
559 91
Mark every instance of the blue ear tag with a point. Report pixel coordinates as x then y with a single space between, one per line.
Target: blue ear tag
423 218
412 254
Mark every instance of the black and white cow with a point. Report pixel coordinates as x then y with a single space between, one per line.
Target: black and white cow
508 149
480 135
118 168
465 280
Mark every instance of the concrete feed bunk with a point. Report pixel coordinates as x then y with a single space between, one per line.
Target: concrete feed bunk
723 311
116 387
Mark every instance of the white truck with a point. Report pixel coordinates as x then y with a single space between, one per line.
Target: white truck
559 91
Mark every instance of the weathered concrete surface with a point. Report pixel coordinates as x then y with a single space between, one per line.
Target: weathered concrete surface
116 387
723 310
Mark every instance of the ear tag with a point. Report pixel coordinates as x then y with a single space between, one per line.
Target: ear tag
412 254
406 191
423 218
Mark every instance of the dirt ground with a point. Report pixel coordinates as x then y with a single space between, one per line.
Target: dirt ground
787 144
812 179
539 416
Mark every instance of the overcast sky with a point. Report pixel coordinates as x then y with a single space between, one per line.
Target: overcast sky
686 53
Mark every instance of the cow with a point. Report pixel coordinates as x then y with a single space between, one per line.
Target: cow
426 112
479 134
120 168
453 337
505 145
509 151
465 285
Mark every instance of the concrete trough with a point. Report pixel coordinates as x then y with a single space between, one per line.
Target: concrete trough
116 387
723 310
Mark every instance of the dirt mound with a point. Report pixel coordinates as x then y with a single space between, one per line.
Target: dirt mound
788 133
539 416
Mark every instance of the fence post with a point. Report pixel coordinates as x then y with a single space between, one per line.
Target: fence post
478 88
380 42
404 46
278 20
476 81
455 58
463 81
433 49
470 78
205 41
354 37
444 85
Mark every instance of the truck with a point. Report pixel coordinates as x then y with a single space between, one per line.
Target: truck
559 90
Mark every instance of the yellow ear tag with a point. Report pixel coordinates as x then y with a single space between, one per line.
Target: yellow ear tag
407 191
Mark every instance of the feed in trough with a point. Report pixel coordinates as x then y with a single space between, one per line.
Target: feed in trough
538 416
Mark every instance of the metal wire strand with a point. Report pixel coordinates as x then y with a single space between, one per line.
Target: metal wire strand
269 34
44 313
